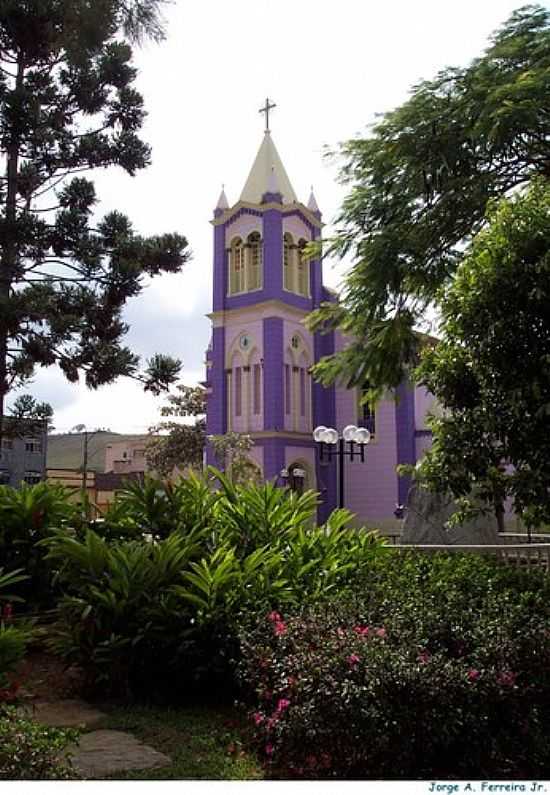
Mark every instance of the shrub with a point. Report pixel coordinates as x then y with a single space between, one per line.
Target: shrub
409 683
31 752
27 516
143 618
13 640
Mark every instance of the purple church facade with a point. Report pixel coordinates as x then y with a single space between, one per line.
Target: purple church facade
258 363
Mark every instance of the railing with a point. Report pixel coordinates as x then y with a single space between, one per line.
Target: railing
524 555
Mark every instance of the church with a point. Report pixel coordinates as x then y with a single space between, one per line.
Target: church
258 363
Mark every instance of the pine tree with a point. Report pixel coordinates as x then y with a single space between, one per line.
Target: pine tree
68 105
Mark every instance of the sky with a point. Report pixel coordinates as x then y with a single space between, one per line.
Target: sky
330 67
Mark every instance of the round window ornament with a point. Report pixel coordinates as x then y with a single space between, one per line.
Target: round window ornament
295 341
244 342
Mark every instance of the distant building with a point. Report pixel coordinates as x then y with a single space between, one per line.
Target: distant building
23 457
127 456
101 487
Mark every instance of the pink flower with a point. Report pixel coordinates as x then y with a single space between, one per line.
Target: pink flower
340 632
380 632
424 656
258 718
311 760
507 678
473 675
283 704
269 749
8 611
280 628
353 659
273 616
291 681
361 630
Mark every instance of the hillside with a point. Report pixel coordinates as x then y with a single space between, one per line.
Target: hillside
65 449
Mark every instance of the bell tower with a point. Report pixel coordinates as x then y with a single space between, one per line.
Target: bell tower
259 360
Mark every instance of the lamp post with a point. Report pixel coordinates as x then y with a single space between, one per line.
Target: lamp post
350 443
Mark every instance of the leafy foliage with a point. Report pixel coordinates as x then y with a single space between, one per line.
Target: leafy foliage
68 105
232 451
32 752
450 653
181 445
419 186
490 372
27 516
162 616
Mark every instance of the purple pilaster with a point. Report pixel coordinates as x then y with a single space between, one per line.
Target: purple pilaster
220 269
316 275
216 414
274 457
273 254
273 374
405 431
324 413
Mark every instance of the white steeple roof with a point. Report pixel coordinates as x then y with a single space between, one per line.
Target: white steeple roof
267 170
312 202
222 204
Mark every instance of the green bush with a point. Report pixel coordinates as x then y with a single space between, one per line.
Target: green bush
31 752
441 669
13 640
29 515
145 617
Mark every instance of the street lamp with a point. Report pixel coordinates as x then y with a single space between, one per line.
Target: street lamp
331 443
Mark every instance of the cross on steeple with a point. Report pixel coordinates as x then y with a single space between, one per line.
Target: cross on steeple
267 107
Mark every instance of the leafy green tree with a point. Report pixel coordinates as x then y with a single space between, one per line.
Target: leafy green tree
68 105
233 451
179 445
419 185
491 371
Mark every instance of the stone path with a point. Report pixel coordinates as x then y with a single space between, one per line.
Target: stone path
68 714
103 752
100 752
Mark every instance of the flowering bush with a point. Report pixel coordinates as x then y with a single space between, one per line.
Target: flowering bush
408 686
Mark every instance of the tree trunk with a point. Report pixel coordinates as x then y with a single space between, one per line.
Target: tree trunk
9 247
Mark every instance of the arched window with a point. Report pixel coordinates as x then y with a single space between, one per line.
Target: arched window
302 268
236 267
254 275
288 250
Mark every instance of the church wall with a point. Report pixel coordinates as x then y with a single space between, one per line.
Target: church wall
423 403
370 487
257 455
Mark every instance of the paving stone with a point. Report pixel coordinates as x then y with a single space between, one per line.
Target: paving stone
66 714
104 752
